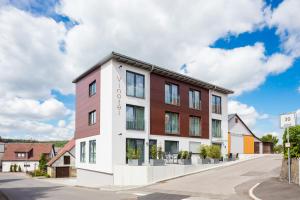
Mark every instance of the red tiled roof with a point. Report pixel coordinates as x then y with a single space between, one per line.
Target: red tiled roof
37 150
68 147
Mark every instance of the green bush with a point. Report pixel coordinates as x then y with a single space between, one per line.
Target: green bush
214 152
133 154
11 168
15 168
19 169
294 133
160 153
38 172
184 155
203 151
43 163
153 152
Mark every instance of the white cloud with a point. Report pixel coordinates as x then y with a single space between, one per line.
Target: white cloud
286 19
248 113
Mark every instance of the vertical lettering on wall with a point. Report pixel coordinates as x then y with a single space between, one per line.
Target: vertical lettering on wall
119 91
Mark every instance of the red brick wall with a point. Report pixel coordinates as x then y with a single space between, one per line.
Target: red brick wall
86 104
158 107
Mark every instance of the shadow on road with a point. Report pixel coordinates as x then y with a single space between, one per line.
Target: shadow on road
9 180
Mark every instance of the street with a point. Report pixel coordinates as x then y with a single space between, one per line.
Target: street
232 182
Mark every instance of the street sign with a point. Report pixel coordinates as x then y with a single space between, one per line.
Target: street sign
287 145
287 120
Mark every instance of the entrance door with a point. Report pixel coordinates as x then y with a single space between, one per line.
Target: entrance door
136 144
256 147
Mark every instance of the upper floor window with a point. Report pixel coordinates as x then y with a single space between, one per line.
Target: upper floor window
92 151
171 94
92 88
135 84
82 151
216 104
195 99
171 123
195 126
135 117
67 160
216 128
92 117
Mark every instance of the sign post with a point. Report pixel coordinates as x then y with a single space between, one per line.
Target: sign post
286 121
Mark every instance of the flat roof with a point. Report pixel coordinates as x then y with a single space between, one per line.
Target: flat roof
153 69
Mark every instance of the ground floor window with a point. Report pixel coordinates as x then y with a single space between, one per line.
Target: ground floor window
92 151
151 144
216 128
195 147
136 144
171 147
82 151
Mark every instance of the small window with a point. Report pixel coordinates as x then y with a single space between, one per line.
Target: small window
67 160
92 88
135 84
195 99
92 117
236 120
216 104
195 126
82 152
92 151
172 94
135 117
21 155
171 123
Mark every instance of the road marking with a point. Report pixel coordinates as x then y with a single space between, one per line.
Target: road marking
251 194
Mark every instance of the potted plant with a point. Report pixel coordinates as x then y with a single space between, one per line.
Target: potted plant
133 156
214 153
184 157
156 156
203 155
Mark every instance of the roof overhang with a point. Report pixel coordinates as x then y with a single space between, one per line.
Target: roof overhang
153 69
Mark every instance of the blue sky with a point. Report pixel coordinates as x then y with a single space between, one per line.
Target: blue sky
80 36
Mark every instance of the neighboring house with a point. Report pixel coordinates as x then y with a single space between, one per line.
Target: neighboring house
63 164
2 149
241 139
123 102
25 155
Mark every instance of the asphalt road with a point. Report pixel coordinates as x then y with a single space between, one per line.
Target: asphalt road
232 182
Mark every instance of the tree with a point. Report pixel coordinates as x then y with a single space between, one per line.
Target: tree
270 138
294 133
19 169
43 163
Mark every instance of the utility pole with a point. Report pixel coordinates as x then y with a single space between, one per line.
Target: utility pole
289 157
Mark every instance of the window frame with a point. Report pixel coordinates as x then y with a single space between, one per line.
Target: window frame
171 132
91 91
82 152
191 132
90 117
92 154
215 104
212 128
170 93
135 118
68 159
193 106
134 84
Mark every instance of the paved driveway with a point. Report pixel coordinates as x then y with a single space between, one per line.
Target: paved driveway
20 187
232 182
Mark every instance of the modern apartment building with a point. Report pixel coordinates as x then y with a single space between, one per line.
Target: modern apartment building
122 101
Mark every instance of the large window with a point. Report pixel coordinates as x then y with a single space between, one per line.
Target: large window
216 104
92 151
171 94
195 126
92 88
171 147
195 99
216 128
135 117
82 152
135 84
171 123
136 145
92 117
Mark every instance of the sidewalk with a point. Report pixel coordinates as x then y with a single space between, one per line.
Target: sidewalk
276 189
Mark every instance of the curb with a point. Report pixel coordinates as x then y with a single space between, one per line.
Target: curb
251 194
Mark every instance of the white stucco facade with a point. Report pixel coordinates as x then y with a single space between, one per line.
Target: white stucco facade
25 165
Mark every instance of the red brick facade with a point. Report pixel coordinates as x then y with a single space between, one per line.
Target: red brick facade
158 107
86 104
